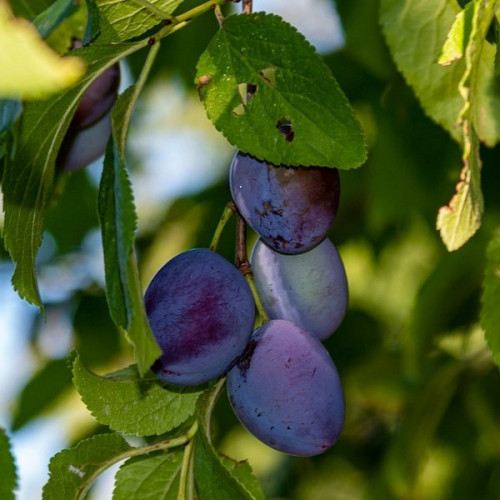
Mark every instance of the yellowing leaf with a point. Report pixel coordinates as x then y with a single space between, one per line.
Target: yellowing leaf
29 69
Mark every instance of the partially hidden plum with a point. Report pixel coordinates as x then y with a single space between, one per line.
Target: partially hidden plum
286 390
98 98
201 312
309 289
89 130
82 147
291 208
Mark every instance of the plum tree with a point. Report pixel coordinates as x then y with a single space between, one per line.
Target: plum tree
302 411
201 312
291 208
309 289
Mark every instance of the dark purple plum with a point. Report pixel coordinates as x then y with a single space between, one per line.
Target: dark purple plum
201 312
286 390
291 208
309 289
98 99
81 147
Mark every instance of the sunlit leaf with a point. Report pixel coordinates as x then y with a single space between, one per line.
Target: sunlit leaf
267 90
461 218
133 405
416 31
73 471
29 69
133 18
154 478
458 37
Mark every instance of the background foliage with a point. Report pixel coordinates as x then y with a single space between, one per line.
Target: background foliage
421 385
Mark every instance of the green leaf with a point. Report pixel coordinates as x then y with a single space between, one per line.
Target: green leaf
73 471
50 18
133 18
41 391
29 8
130 404
30 69
490 310
154 478
458 37
460 96
461 218
242 472
118 222
267 90
213 479
425 23
408 26
9 109
28 176
8 477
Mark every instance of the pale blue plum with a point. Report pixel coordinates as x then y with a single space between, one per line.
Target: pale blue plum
201 312
309 289
286 390
84 146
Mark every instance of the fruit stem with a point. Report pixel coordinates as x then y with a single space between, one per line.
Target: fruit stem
228 212
243 264
212 399
184 491
173 23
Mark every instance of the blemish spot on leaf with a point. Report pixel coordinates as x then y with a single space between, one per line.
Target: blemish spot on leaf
76 471
246 92
239 110
202 81
285 127
269 75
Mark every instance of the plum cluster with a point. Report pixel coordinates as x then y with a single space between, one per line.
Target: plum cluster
285 389
281 380
90 128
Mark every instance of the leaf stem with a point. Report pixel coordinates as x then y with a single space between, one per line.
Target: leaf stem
173 22
142 450
183 492
139 84
214 395
229 211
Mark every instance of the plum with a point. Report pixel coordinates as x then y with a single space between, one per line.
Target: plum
309 289
286 390
201 312
98 98
291 208
81 147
